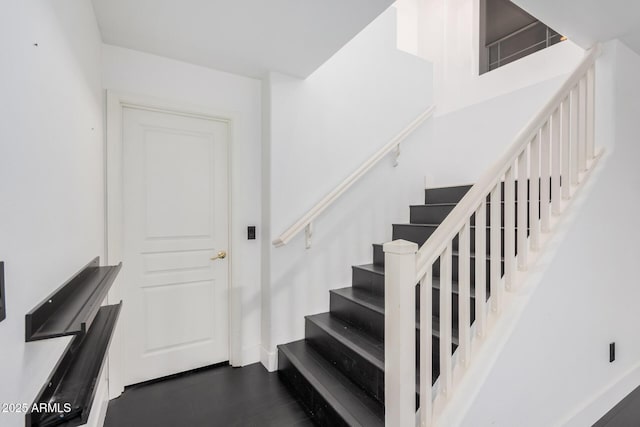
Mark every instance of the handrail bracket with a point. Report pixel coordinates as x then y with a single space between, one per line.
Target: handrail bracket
308 233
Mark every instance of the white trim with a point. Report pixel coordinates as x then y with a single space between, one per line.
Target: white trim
305 221
269 359
596 406
115 103
100 403
251 354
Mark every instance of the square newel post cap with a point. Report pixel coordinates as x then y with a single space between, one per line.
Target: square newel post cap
400 247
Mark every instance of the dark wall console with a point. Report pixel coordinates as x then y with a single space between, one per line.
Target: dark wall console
74 309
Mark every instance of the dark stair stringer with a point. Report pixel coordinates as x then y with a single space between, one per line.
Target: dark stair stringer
337 371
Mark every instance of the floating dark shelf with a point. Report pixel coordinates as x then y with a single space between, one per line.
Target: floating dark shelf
74 380
71 308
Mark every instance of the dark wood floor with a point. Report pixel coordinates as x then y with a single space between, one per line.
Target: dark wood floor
221 396
624 414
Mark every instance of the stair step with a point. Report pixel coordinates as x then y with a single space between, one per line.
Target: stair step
445 194
356 354
456 193
365 311
378 254
455 270
330 397
368 277
431 213
436 213
419 233
360 308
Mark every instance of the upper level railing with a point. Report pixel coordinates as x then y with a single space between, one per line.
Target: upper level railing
306 221
520 43
506 215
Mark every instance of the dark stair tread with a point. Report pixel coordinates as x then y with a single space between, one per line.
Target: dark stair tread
366 346
379 269
420 205
373 268
413 224
376 303
352 403
435 282
433 204
362 297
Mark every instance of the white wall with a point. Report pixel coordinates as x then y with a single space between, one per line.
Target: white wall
135 73
554 369
407 31
320 130
51 173
469 140
449 37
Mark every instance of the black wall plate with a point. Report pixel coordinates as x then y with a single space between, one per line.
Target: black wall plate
612 352
3 306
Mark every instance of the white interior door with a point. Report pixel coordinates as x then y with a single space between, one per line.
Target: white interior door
176 303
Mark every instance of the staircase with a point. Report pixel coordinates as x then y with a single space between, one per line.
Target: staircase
480 245
337 371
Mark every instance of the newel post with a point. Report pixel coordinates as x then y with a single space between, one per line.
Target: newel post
400 333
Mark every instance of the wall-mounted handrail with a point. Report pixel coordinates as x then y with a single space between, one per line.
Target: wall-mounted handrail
502 219
305 222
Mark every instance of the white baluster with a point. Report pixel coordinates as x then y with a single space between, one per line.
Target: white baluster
509 227
400 333
582 127
464 294
533 197
545 177
426 398
496 248
523 248
445 321
555 162
573 124
566 158
481 268
591 113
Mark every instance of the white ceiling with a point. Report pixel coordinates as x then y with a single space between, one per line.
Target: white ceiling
248 37
589 21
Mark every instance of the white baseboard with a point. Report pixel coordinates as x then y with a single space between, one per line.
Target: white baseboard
269 359
598 405
251 354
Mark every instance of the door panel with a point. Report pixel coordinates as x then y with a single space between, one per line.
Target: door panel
175 310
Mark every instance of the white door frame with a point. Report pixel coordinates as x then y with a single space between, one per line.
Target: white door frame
114 180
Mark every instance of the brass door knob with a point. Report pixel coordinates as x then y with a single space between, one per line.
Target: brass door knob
221 255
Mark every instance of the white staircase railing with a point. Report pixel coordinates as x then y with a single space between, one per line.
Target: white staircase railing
306 221
547 162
